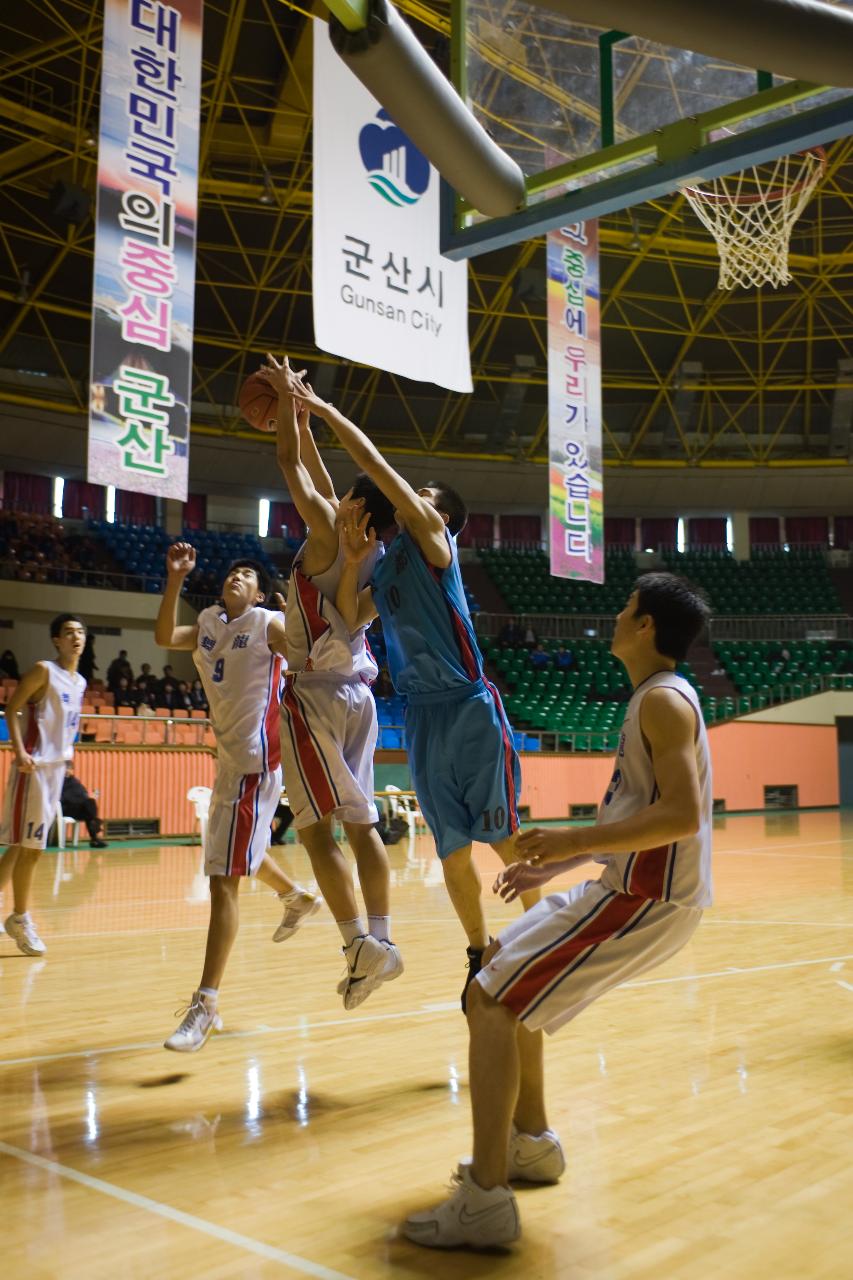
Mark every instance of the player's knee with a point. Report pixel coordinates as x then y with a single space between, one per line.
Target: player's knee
224 887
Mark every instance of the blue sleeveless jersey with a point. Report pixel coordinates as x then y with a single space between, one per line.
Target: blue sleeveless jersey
428 633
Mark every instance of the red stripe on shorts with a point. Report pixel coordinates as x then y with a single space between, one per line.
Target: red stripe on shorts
540 975
309 758
648 874
19 808
245 827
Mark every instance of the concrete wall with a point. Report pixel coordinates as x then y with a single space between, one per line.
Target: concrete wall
30 607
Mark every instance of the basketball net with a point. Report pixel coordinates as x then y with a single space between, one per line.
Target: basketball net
751 215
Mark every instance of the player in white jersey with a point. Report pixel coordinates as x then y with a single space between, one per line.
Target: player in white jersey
329 724
52 692
240 649
653 835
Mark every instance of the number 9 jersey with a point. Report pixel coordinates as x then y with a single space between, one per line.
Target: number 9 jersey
242 680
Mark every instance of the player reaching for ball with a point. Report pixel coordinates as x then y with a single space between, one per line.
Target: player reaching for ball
464 767
239 648
329 723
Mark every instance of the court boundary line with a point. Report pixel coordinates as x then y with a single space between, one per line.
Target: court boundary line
731 971
138 1201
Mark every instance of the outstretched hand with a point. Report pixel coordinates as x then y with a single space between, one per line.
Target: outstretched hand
518 877
357 541
180 559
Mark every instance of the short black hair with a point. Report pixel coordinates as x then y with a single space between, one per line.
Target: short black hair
450 504
679 611
59 622
261 574
378 507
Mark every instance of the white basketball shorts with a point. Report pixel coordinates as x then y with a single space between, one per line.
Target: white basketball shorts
32 800
571 948
328 737
242 807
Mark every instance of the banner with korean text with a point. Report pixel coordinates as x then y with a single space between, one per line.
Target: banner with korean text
142 313
575 488
383 294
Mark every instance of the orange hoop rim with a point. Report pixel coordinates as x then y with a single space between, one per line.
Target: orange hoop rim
770 197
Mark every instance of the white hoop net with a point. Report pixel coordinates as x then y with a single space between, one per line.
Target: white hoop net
751 215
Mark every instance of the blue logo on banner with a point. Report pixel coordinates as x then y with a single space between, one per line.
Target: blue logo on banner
395 167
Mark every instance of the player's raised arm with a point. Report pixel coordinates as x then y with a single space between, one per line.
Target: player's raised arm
357 542
310 455
30 688
316 510
425 524
180 561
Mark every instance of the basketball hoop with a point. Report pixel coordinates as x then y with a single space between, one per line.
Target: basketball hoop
751 215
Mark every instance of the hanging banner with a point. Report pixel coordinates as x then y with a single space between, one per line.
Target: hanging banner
142 313
383 294
575 490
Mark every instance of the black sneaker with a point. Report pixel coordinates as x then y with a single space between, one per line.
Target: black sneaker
98 844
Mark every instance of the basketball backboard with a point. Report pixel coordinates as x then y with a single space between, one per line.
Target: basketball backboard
601 120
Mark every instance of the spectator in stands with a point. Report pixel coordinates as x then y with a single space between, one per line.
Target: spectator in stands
197 694
531 639
119 669
9 665
146 678
182 696
540 658
78 804
122 695
88 666
564 658
167 685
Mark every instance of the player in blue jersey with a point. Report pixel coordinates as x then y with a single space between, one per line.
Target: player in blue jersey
464 768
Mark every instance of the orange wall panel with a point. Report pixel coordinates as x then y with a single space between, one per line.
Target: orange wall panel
141 782
746 756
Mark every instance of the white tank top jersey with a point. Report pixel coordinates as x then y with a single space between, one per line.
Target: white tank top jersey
318 639
681 872
242 680
52 723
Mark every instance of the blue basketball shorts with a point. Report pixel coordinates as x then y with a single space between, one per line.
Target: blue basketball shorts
465 770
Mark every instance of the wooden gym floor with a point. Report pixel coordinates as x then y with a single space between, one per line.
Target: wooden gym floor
705 1109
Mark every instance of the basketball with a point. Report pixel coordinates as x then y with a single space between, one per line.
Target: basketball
258 403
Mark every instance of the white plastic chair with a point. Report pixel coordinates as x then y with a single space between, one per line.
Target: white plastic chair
200 798
62 825
404 807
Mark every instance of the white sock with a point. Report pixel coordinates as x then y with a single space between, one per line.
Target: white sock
211 994
380 927
296 892
351 929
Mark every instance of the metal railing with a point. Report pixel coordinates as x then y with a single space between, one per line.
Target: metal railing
833 626
148 731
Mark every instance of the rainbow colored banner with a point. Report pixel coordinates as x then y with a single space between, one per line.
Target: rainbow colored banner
142 312
575 486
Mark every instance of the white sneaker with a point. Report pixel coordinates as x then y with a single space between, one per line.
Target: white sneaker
535 1158
473 1217
298 906
392 969
22 931
366 956
199 1023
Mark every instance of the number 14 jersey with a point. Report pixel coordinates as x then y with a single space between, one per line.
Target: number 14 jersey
242 680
